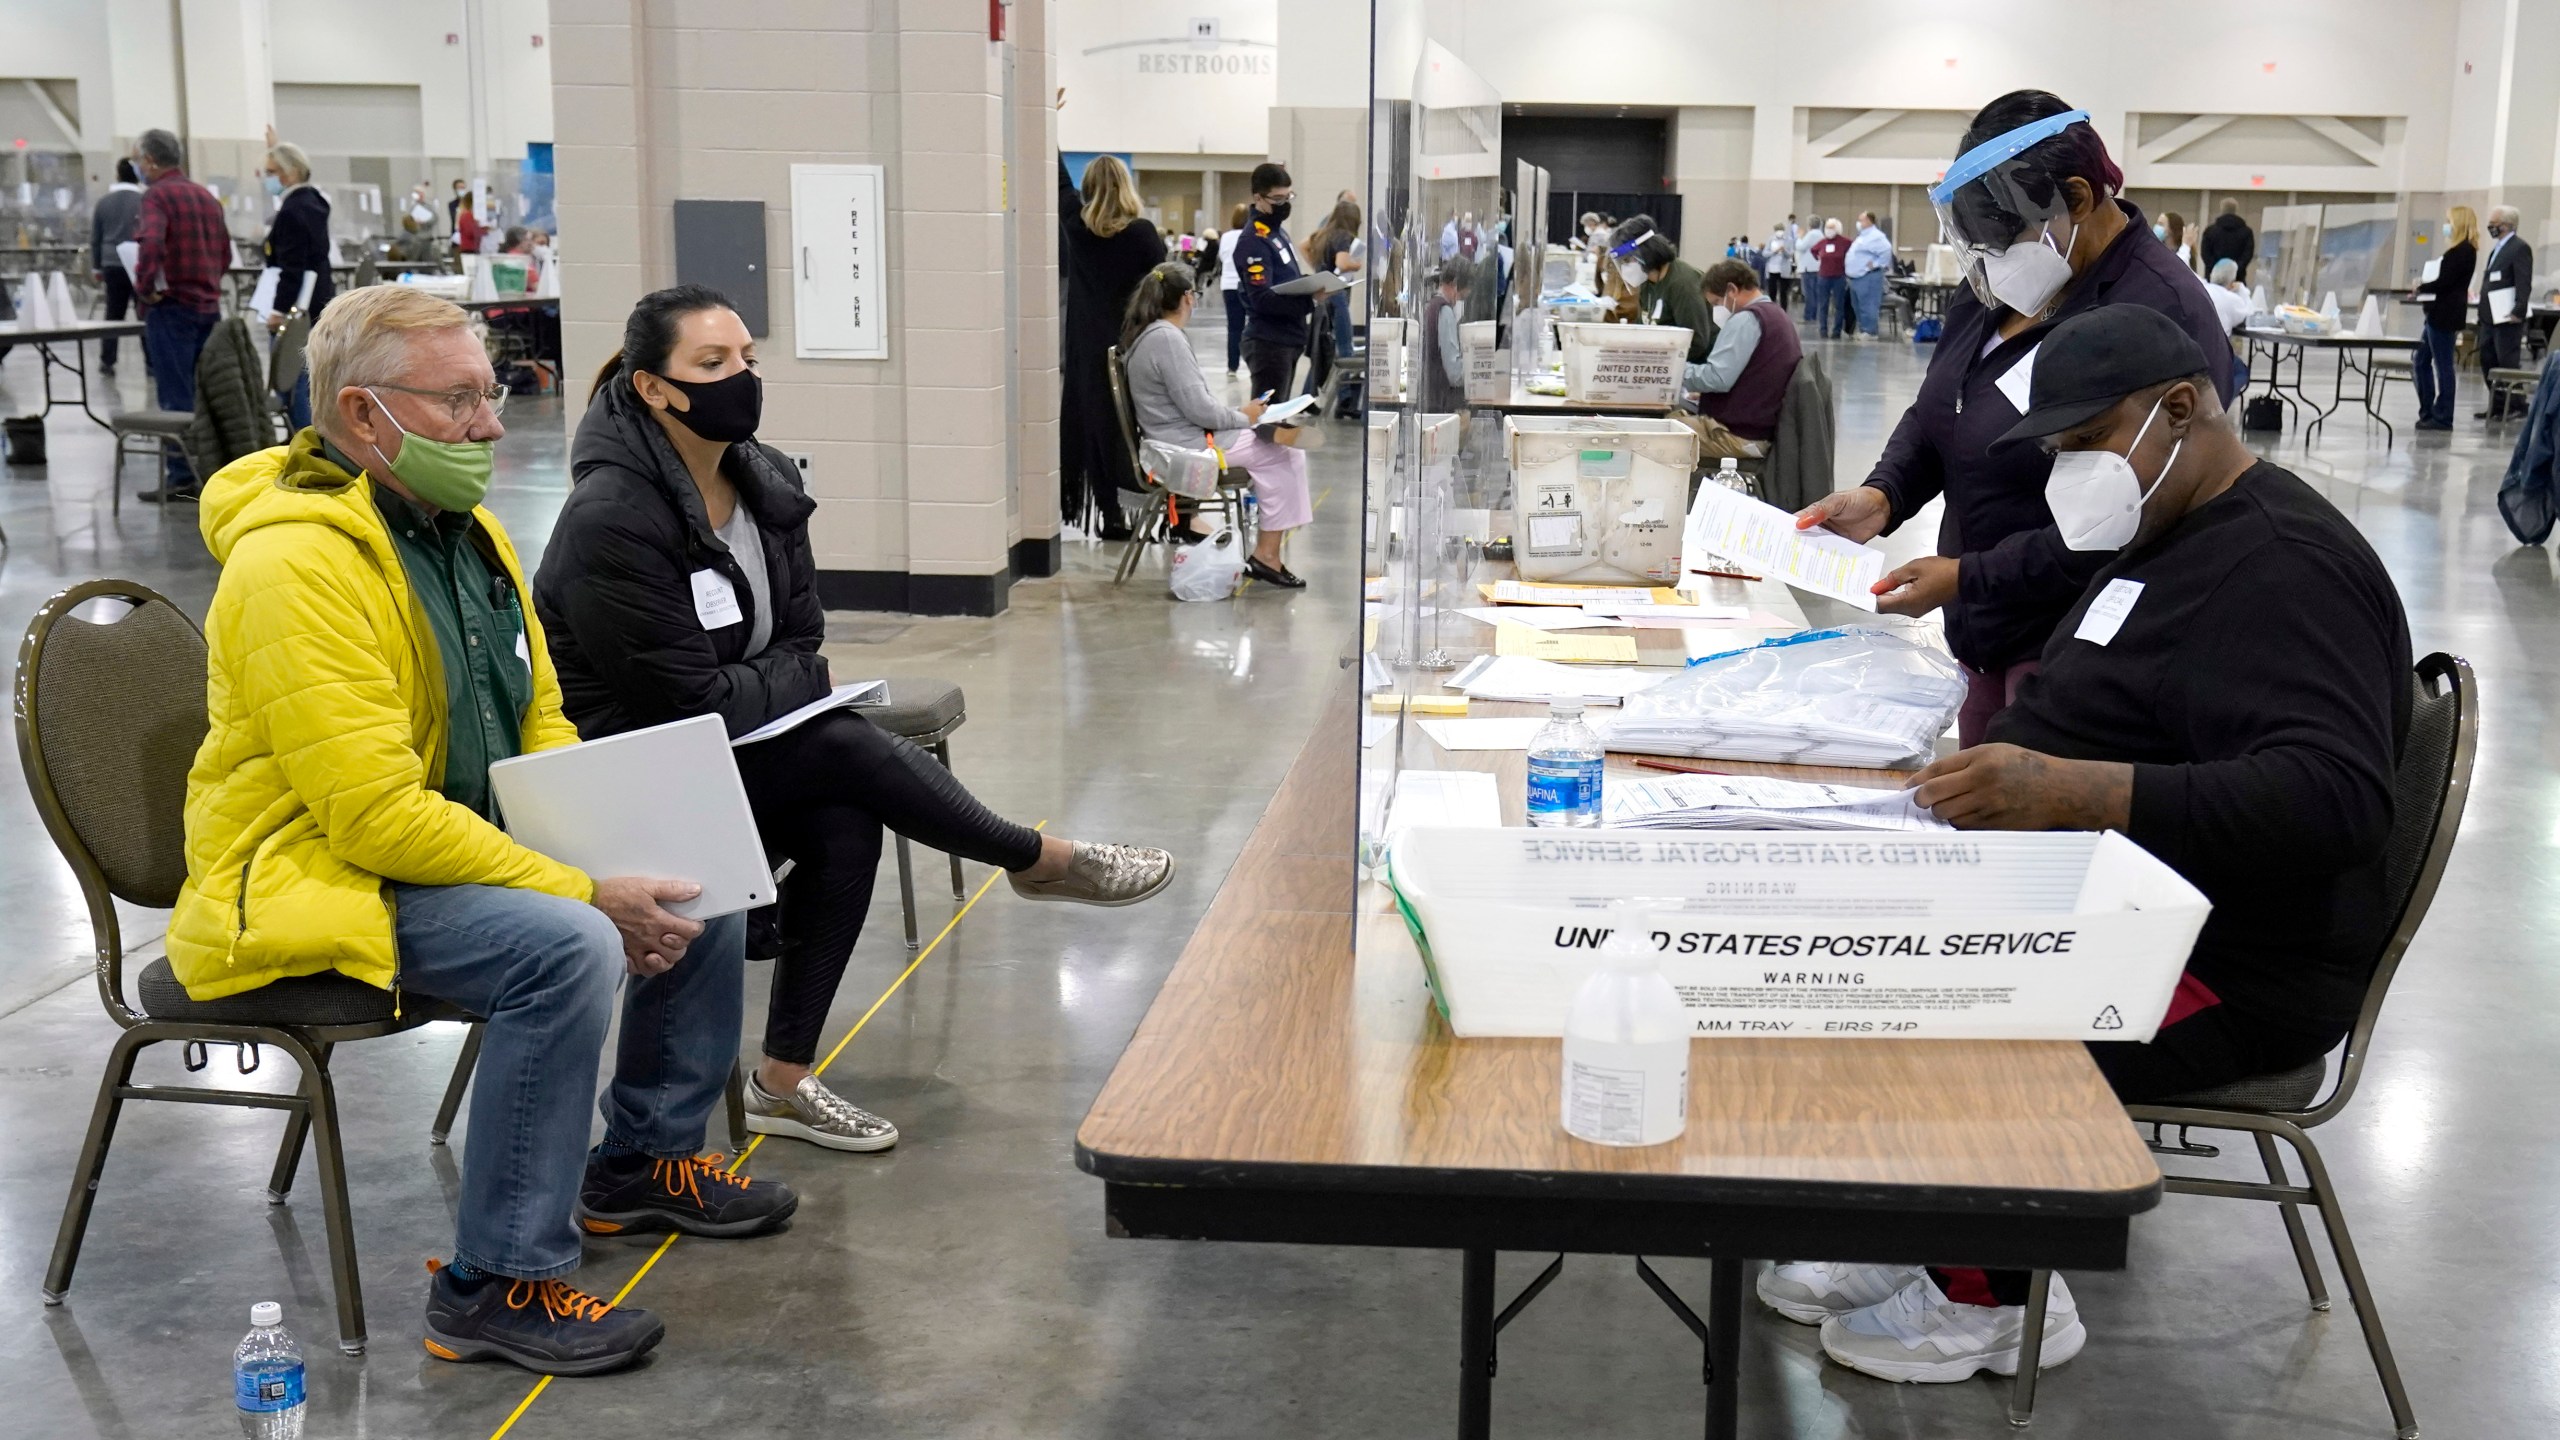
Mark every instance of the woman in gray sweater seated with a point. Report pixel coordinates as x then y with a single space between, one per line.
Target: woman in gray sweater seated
1174 406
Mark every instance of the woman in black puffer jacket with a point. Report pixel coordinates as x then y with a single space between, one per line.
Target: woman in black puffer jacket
679 582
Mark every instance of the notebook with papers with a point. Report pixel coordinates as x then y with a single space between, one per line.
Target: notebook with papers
663 803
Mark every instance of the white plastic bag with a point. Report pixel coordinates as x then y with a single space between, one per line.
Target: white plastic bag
1211 569
1852 696
1192 473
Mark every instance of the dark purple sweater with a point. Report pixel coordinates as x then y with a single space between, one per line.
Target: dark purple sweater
2018 578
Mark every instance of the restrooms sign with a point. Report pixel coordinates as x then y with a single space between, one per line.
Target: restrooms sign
1158 76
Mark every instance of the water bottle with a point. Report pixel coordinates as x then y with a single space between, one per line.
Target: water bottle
266 1377
1564 769
1730 476
1626 1049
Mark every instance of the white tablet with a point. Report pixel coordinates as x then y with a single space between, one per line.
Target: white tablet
664 803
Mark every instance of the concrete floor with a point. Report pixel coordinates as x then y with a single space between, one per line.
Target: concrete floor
961 1285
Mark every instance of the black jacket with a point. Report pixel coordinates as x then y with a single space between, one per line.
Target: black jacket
2018 577
2446 300
2506 264
298 245
2228 238
615 589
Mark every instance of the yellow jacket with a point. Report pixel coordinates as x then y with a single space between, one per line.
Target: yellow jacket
326 696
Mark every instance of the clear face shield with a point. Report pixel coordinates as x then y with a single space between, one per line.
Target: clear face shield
2008 221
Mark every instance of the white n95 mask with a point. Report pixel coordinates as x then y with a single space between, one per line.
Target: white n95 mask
2026 276
2095 497
1632 273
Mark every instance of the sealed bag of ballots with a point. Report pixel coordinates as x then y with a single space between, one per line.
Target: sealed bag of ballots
1962 935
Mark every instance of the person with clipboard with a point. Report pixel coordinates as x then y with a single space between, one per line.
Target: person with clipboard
679 582
2506 293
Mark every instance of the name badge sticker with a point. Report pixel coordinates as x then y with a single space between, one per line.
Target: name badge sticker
2017 382
715 600
2105 615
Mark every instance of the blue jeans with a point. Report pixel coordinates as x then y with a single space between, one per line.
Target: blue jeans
2433 375
298 404
1341 328
172 338
1868 292
542 972
1826 298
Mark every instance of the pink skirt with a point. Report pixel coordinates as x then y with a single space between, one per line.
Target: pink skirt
1279 474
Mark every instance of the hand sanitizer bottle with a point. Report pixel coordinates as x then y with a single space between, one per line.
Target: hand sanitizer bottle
1626 1049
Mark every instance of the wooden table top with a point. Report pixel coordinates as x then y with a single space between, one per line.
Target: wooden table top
1279 1055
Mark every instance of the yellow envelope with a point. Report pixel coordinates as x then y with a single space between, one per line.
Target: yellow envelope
1572 647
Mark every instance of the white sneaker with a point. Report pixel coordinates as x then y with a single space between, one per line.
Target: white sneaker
1812 1291
1920 1335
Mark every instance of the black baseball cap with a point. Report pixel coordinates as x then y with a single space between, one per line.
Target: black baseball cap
2096 358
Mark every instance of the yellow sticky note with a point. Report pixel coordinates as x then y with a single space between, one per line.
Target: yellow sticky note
1387 704
1567 646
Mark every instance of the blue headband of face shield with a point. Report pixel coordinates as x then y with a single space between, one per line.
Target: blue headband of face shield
1982 159
1621 252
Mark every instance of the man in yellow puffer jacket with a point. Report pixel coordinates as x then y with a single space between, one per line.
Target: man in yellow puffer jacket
373 651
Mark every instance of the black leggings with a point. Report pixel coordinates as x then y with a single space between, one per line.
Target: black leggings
2216 1045
821 794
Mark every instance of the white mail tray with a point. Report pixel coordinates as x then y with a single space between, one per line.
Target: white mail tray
2047 936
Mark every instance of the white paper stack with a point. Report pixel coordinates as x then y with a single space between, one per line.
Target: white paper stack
1751 802
1517 677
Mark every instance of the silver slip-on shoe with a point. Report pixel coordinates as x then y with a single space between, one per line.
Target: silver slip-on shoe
814 1113
1103 875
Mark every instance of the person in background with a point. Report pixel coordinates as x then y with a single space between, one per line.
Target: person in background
2232 303
1869 261
671 495
2229 238
2239 715
1331 248
1276 331
1743 381
2443 297
2032 206
1231 294
111 224
1444 379
1781 260
1592 230
299 251
1174 406
183 248
1808 266
2506 289
1668 288
2172 231
453 206
369 657
466 228
1105 247
1831 264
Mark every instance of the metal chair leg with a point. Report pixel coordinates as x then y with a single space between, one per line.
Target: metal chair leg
734 1100
1139 531
92 1162
2404 1420
959 883
2022 1393
297 1128
321 1094
463 1066
907 891
2293 1228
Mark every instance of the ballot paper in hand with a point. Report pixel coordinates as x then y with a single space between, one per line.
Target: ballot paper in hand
1731 524
1752 802
1283 411
263 302
1322 282
853 694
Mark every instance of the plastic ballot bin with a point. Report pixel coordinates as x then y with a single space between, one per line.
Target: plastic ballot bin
2056 936
1624 364
1599 498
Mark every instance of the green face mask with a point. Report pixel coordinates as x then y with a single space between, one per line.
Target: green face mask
448 474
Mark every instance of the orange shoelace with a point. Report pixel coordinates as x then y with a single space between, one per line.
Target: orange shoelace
684 1177
560 1300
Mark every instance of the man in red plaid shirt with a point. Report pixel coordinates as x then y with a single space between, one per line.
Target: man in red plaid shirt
184 249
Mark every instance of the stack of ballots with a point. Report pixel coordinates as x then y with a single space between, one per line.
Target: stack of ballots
1752 802
1854 696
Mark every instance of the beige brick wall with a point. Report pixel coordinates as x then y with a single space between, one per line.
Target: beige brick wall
914 463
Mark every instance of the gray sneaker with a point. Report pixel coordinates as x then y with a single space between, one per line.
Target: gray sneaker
1104 875
814 1113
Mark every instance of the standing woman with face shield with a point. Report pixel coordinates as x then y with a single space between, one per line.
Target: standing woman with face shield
2031 206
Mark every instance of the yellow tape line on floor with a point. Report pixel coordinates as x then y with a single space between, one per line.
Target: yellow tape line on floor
669 1243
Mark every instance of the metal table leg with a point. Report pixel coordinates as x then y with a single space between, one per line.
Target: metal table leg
79 368
1475 1346
1724 1348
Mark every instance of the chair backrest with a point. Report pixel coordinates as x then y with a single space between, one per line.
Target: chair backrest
1124 415
366 272
284 363
110 715
2429 788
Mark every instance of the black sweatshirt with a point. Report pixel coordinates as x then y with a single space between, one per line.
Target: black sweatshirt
2260 687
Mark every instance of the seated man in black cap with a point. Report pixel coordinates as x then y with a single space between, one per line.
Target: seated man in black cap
2231 692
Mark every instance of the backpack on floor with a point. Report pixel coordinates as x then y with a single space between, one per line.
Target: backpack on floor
1926 332
2264 413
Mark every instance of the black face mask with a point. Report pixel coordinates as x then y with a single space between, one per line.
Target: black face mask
1278 212
725 409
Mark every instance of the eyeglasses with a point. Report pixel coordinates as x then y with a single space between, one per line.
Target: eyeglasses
459 404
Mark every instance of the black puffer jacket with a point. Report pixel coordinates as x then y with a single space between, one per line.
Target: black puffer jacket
615 590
